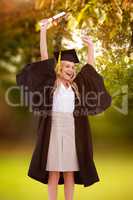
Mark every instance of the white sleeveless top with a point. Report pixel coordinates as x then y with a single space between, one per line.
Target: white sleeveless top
63 99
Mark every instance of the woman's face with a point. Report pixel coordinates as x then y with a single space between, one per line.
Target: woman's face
67 70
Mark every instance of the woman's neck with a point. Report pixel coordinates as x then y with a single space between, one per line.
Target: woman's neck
65 82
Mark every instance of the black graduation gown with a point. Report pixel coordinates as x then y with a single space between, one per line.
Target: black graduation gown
40 75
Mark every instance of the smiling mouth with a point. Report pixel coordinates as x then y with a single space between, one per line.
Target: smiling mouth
69 74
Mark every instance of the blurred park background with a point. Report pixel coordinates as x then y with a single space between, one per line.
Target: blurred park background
110 25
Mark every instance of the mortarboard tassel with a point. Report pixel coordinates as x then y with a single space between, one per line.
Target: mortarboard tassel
58 66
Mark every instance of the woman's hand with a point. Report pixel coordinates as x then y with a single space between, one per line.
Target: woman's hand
88 41
44 24
90 56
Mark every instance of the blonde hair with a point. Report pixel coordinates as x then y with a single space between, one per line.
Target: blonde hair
72 83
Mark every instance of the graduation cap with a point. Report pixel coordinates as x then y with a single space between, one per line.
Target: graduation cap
69 55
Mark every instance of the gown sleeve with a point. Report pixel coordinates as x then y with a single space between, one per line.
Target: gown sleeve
94 96
36 76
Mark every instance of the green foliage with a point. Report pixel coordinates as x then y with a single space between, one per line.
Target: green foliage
107 22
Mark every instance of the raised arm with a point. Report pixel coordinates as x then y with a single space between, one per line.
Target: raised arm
90 54
43 40
96 98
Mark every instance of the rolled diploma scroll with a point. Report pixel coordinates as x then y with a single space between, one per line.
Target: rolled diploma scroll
54 17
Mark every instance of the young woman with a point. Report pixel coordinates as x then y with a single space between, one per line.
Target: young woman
63 121
63 152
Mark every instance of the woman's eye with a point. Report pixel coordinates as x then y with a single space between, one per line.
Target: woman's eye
67 66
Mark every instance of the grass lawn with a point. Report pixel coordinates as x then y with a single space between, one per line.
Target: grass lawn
115 171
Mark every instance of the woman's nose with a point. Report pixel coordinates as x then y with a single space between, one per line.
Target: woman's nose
72 70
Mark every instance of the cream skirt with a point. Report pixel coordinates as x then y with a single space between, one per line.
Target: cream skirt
62 150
